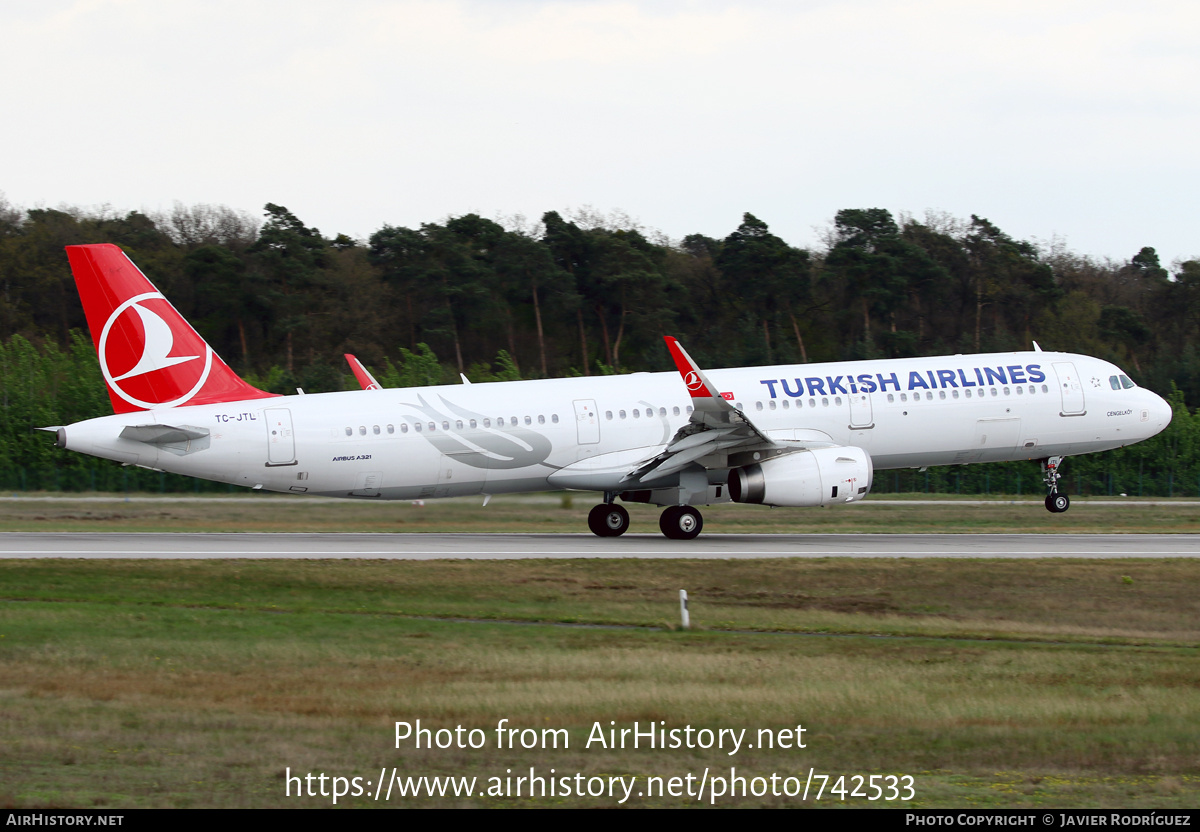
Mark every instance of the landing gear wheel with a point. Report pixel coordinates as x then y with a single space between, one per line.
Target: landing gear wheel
1057 503
681 522
608 520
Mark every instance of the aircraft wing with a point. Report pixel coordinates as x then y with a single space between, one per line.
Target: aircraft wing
715 427
365 379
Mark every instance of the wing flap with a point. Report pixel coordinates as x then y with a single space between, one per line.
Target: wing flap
715 425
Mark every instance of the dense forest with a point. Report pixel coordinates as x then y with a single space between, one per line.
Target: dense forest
587 294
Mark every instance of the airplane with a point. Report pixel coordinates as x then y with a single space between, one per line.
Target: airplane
788 435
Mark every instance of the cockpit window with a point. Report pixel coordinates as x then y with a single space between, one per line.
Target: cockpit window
1127 382
1114 382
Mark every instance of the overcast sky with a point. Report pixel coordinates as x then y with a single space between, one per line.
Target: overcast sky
1052 118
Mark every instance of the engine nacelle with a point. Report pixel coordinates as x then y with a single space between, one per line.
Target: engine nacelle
806 478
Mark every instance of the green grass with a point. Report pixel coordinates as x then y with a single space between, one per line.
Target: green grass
1003 684
567 513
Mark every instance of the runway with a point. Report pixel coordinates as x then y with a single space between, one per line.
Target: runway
527 546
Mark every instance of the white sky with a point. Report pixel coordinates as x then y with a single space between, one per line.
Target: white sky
1049 117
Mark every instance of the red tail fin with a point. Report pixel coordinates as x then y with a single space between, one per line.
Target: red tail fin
149 355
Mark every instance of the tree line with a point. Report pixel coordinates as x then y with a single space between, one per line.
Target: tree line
587 294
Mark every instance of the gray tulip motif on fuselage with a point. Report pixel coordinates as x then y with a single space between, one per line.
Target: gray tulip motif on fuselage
507 446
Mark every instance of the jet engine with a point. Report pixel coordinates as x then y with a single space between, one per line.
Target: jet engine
815 477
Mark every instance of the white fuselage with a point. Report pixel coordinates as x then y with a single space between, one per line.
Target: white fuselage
588 433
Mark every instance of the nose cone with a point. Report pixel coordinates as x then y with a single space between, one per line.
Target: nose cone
1158 413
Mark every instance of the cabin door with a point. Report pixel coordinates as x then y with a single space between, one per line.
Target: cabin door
1071 388
281 441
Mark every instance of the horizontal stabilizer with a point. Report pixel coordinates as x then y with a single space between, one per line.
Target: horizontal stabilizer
163 434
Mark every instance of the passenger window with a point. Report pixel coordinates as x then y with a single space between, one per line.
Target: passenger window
417 425
689 409
391 428
458 425
838 401
942 394
813 402
891 398
771 404
404 427
903 397
738 405
784 404
375 429
1020 391
662 411
349 431
541 419
487 423
967 393
433 426
474 424
824 402
636 413
954 393
758 405
995 392
362 430
554 418
1006 391
674 411
445 426
621 413
528 420
608 415
1045 388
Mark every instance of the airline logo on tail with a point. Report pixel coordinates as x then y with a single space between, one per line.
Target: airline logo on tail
144 384
149 355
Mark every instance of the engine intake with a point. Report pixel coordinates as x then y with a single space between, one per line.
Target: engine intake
806 478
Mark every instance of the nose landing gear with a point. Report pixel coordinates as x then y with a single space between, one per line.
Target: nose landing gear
1056 503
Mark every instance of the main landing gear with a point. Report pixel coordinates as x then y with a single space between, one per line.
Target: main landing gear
676 522
608 520
680 522
1056 503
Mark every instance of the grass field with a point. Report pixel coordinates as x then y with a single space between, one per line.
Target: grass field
1038 683
563 513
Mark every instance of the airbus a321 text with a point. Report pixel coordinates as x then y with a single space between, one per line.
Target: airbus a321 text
795 435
